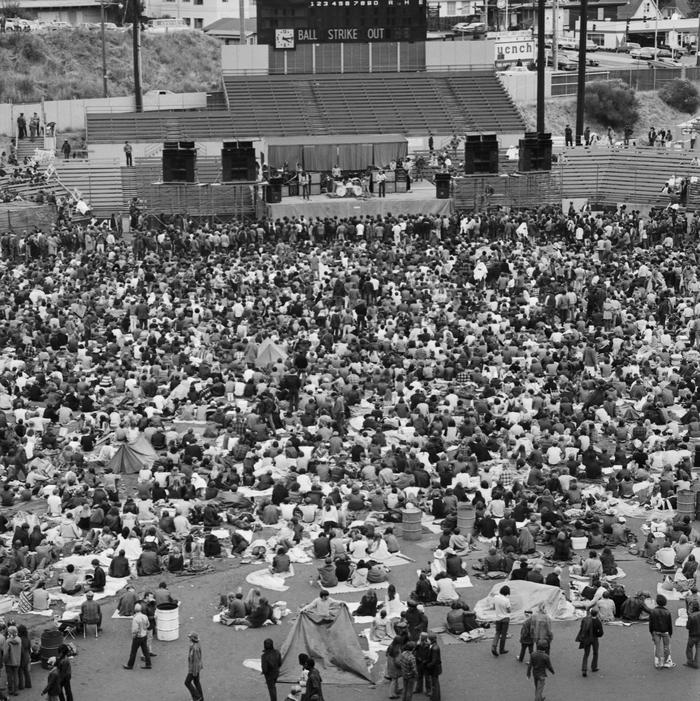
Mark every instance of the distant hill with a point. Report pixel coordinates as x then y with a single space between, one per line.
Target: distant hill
67 64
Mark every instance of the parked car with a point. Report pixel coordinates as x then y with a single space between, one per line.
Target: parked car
645 53
18 25
676 51
665 62
627 47
564 63
469 28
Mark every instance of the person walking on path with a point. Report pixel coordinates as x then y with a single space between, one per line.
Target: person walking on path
541 628
65 673
53 682
537 668
693 627
139 635
270 663
194 667
433 668
661 629
590 631
501 603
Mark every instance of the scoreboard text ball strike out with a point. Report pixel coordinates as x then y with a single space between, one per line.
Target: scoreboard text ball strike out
285 23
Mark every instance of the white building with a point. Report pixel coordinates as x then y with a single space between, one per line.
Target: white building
199 14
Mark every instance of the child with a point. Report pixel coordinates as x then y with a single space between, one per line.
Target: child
526 636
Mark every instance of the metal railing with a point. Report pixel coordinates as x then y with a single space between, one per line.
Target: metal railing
389 68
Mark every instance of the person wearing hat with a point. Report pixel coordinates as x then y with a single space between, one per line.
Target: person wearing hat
194 667
270 663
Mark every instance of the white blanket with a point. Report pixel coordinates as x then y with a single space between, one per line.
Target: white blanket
345 588
266 580
112 587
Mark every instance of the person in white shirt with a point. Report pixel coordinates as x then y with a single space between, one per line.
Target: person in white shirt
53 504
501 604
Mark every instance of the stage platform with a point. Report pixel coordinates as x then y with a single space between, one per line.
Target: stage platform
420 200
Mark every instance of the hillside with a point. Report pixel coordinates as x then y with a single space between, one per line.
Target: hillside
561 111
68 64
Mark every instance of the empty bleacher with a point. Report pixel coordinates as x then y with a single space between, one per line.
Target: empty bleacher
635 175
406 103
410 104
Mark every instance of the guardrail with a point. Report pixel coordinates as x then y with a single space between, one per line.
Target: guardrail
450 68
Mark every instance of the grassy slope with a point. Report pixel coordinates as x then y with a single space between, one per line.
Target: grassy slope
562 111
68 64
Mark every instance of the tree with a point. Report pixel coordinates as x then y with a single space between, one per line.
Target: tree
12 8
611 103
682 95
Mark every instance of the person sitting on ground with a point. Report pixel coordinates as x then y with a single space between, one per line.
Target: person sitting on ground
69 581
127 602
424 592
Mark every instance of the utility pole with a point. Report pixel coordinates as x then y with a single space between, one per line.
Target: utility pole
104 49
541 66
241 15
136 41
697 43
555 33
581 88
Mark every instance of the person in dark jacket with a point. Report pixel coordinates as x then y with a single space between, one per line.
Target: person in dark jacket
537 668
99 578
661 629
271 661
53 682
589 633
693 627
433 668
314 690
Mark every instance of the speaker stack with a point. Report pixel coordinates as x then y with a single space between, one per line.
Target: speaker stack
535 152
442 186
179 158
480 154
238 161
274 191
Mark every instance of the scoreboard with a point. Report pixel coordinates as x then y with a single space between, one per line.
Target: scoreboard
286 23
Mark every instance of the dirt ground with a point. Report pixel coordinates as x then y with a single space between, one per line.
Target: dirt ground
626 667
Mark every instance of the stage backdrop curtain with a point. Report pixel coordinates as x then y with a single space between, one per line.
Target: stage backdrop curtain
278 154
319 157
385 153
354 156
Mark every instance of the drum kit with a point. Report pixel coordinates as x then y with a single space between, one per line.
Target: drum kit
351 189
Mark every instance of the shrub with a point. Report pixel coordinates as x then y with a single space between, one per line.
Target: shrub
611 103
682 95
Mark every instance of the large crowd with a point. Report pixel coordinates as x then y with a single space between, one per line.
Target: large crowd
538 365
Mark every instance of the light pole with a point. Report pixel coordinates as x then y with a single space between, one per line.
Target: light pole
104 49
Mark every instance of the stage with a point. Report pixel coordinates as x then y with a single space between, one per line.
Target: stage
420 200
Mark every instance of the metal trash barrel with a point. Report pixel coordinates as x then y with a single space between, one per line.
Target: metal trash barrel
685 503
465 519
168 622
411 528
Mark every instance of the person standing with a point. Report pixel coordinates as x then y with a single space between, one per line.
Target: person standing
661 629
501 604
693 627
537 668
53 682
541 628
12 658
128 153
314 689
66 149
270 662
590 631
409 670
139 639
65 673
433 668
194 667
568 136
526 636
381 181
21 126
422 653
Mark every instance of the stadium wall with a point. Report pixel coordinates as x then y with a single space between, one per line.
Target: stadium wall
69 115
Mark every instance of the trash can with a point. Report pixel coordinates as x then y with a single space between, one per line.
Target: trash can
168 622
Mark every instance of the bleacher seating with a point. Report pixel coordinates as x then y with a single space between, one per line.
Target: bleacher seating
622 175
405 103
